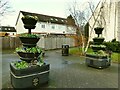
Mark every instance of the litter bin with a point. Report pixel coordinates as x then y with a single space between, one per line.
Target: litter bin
65 50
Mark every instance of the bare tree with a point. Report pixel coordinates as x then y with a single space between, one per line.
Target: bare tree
81 17
4 7
98 19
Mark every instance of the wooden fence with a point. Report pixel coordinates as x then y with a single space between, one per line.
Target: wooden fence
44 42
55 42
9 42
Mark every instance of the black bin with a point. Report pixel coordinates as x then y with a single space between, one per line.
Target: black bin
65 50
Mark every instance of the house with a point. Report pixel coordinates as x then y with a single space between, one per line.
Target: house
107 13
54 31
7 31
46 24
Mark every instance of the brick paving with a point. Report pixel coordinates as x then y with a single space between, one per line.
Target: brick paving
68 72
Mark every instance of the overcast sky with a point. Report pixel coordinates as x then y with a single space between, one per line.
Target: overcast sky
57 8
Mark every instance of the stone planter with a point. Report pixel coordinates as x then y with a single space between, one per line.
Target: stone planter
97 61
98 41
30 77
28 56
29 41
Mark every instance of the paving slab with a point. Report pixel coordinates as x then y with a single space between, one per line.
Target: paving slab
67 72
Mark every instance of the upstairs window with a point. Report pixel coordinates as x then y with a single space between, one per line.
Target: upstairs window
42 26
56 19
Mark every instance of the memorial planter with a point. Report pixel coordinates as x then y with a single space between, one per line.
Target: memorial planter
31 71
98 58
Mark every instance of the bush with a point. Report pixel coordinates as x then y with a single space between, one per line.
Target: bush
113 46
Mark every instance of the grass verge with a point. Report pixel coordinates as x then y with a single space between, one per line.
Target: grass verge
115 56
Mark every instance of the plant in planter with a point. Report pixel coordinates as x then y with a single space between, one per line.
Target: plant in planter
29 22
31 69
98 47
99 54
98 40
29 39
28 54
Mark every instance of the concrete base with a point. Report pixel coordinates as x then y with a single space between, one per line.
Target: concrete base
97 62
32 80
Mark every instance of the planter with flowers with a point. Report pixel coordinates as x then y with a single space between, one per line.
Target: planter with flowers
29 39
29 21
98 58
30 70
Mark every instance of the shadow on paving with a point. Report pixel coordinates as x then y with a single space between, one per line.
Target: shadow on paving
67 72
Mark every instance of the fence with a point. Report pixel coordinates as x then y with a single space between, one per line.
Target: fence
55 42
44 42
9 42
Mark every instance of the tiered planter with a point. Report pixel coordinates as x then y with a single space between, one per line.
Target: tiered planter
96 60
36 72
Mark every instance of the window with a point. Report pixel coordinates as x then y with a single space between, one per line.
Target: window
42 26
53 27
56 19
62 20
59 27
51 19
5 28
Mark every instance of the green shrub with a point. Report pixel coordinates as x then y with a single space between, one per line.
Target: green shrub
113 46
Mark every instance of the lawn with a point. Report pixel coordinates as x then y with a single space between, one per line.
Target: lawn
115 56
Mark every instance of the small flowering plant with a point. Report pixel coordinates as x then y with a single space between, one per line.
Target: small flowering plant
30 17
29 50
29 20
29 35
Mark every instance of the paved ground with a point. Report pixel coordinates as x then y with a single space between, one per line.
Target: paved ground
68 72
